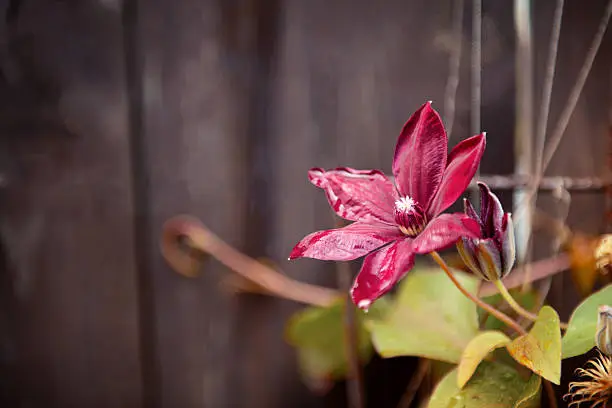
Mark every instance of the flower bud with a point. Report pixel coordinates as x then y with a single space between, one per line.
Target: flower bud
603 253
490 257
603 335
482 257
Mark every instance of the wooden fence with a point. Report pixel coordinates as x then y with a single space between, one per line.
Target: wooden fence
114 118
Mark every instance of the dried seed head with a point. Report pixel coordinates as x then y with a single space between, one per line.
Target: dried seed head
603 253
596 389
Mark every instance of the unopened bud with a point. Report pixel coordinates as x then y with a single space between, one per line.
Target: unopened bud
490 257
482 257
603 336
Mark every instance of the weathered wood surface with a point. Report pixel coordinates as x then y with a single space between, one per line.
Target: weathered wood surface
239 99
67 215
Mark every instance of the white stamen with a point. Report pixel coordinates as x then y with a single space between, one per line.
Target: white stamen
404 204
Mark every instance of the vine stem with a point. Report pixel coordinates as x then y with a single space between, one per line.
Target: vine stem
355 388
422 370
515 305
479 302
550 392
201 241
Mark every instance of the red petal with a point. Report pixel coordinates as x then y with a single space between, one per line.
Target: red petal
491 209
445 230
380 271
420 155
344 244
463 162
357 195
469 210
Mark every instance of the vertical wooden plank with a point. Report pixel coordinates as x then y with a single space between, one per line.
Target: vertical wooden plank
343 94
193 120
67 217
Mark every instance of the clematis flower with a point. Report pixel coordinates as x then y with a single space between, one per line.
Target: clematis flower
393 223
492 255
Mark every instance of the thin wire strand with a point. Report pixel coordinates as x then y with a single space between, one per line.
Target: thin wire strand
548 85
454 65
557 135
568 110
544 113
523 132
476 65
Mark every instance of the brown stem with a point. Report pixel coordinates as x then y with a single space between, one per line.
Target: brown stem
200 241
354 384
539 270
550 392
479 302
415 383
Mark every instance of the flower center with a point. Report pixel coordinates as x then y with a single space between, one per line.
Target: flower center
410 216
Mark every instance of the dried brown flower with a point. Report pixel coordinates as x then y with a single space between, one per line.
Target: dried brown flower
596 389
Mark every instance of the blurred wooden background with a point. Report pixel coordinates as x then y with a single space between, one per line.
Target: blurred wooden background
115 117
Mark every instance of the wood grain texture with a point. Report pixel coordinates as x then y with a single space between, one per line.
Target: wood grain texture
66 225
237 100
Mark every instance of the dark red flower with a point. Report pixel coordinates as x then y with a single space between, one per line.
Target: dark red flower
397 221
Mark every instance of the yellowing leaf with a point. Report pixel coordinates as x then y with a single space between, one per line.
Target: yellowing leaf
476 351
493 385
540 349
445 391
580 334
530 397
429 318
318 335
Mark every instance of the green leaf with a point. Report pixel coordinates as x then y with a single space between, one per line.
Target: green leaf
429 318
493 385
445 391
318 335
580 334
540 349
530 397
476 351
526 299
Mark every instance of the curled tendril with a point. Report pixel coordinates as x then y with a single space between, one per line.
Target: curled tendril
185 243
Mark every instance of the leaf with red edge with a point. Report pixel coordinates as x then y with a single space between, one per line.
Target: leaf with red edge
346 243
366 195
420 155
463 162
540 349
